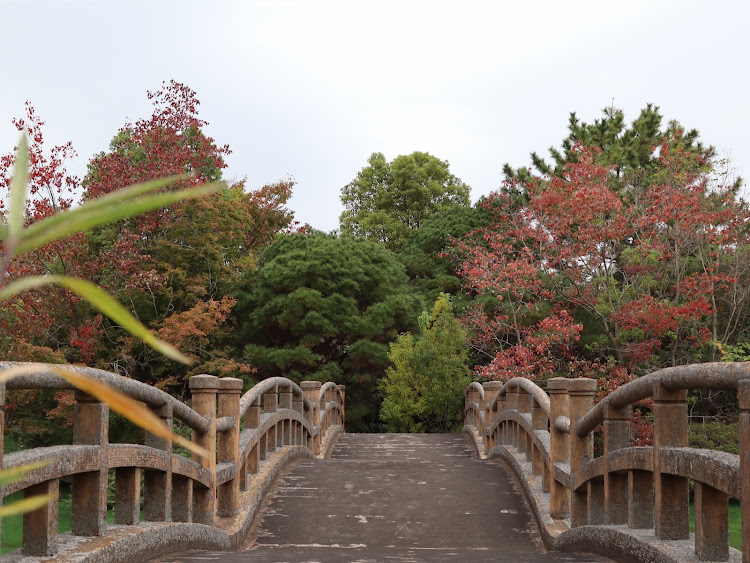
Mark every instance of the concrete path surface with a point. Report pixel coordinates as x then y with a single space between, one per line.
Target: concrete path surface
395 497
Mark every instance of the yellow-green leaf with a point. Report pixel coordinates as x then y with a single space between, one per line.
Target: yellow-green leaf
127 407
102 301
26 505
17 199
105 210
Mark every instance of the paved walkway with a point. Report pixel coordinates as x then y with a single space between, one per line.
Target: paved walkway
395 497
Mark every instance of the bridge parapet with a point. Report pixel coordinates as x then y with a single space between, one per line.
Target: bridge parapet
580 501
249 437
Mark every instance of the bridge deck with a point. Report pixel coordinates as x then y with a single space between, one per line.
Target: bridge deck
395 497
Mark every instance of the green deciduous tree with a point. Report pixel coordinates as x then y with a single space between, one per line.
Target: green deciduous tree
424 389
388 200
325 308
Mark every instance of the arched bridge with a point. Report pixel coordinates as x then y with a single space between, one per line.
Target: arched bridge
332 496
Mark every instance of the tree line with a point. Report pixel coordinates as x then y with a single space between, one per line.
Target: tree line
626 251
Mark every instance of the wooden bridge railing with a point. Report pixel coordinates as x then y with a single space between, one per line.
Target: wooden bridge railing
636 487
175 488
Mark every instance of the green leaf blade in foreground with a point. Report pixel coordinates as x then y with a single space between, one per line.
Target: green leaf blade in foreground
18 183
89 216
26 505
102 301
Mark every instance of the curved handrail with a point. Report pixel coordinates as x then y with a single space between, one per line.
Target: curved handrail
265 386
474 386
713 375
542 399
324 389
133 388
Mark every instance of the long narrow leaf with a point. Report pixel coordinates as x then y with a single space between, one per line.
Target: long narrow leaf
26 505
17 199
127 407
102 301
110 199
84 218
13 474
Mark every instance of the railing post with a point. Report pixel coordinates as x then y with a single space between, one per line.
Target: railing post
491 389
538 422
342 389
252 422
203 390
40 525
616 437
298 405
711 523
743 392
671 492
557 388
127 495
285 402
311 389
270 404
228 494
157 485
89 500
2 441
582 391
511 403
522 441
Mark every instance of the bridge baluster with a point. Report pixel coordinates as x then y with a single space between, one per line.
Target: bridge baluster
127 495
270 403
228 494
342 390
298 433
743 393
2 438
671 492
89 499
581 392
311 390
511 403
557 388
285 402
40 526
525 440
252 422
538 422
203 390
157 485
491 389
616 437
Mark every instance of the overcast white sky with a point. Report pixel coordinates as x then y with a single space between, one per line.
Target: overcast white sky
311 88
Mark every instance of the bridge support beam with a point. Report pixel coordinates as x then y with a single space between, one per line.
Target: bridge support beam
312 391
157 485
559 405
671 492
203 389
228 494
616 437
743 393
581 393
89 500
40 525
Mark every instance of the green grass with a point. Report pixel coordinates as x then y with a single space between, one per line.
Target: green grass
735 523
12 528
